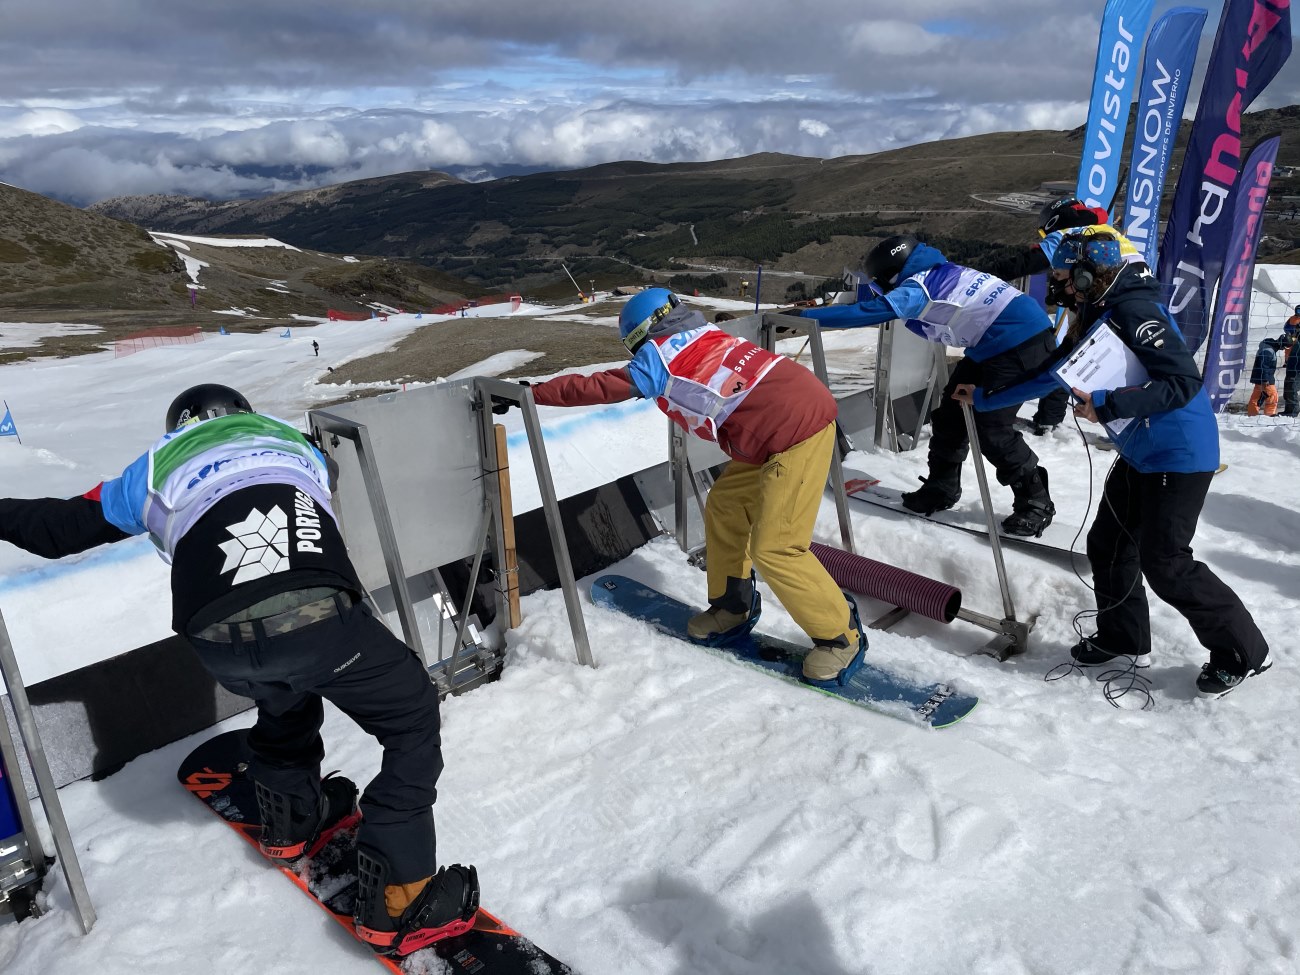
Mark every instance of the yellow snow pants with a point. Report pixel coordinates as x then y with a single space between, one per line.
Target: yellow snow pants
764 516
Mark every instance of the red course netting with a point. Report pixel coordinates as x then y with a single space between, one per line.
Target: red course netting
156 337
930 598
347 316
456 306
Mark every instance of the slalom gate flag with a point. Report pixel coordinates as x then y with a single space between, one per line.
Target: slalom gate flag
7 426
285 334
1226 355
1253 42
1123 25
1166 74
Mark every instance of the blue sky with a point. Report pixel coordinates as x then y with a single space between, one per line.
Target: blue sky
240 98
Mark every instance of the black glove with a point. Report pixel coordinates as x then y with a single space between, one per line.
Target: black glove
785 329
502 407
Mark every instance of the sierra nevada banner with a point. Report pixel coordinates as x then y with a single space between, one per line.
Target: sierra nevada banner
1226 356
1166 74
1252 43
1123 25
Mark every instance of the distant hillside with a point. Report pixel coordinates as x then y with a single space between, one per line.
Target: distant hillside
786 212
60 263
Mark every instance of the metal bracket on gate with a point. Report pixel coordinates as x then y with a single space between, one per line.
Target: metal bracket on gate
19 891
1012 636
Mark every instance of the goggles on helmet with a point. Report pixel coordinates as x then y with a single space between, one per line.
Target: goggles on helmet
634 337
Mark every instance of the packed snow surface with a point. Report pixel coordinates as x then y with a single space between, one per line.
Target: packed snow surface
670 812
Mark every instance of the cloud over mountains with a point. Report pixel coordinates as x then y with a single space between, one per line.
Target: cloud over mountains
240 98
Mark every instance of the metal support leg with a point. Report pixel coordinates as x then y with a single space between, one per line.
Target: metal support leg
1013 634
45 786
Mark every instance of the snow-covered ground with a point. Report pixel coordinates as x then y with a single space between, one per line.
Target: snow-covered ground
670 812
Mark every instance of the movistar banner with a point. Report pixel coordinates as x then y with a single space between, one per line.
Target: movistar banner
1166 72
1253 42
1226 357
1123 26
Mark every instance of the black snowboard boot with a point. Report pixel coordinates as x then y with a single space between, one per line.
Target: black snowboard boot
1216 681
287 838
445 908
1087 653
940 491
1033 509
731 615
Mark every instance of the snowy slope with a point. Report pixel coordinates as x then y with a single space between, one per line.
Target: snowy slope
670 812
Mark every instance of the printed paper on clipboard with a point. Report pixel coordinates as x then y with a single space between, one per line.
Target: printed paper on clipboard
1102 361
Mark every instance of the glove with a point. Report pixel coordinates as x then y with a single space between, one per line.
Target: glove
784 329
502 407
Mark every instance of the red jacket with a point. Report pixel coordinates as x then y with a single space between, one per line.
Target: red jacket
786 408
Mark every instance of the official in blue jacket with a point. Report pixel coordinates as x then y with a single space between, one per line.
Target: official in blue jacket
1005 334
1169 452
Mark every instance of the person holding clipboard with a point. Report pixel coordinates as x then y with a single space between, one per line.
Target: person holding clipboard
1128 368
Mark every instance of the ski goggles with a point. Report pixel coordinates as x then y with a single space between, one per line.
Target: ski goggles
637 335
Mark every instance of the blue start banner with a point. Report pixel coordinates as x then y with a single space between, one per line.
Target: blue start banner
1253 42
1226 356
1166 72
1123 26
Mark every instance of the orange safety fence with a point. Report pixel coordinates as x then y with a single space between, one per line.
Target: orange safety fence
155 338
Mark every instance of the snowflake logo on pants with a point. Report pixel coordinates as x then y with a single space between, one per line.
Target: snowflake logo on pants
260 545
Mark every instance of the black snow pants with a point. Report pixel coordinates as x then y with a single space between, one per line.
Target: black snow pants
1000 442
352 660
1144 528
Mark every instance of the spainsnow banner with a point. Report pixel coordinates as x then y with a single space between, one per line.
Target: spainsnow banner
1226 356
1123 25
1253 42
1166 73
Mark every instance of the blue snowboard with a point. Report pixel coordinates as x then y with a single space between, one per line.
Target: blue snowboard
937 705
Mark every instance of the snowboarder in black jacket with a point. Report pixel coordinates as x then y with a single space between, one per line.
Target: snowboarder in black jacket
264 590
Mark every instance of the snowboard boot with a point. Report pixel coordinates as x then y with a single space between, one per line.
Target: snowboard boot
1087 653
830 663
939 492
730 616
1033 510
287 838
1216 681
397 919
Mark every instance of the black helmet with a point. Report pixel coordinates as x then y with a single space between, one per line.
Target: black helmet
1065 213
885 261
204 401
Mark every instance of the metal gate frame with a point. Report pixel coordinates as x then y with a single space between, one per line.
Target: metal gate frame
45 789
462 670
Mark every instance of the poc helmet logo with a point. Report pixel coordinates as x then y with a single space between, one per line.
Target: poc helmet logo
900 247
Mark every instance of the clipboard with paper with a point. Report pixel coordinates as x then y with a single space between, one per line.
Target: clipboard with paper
1102 361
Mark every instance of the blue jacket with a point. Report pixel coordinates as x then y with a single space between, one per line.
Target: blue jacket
1174 428
1264 371
947 303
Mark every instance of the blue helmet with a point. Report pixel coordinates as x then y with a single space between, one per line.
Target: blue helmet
1093 262
643 312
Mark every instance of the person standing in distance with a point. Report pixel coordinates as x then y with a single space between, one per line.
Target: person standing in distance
262 587
1005 334
776 421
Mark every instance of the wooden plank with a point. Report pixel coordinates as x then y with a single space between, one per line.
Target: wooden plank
508 526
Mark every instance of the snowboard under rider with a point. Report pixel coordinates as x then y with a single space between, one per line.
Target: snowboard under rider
1005 334
264 590
1154 493
776 421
